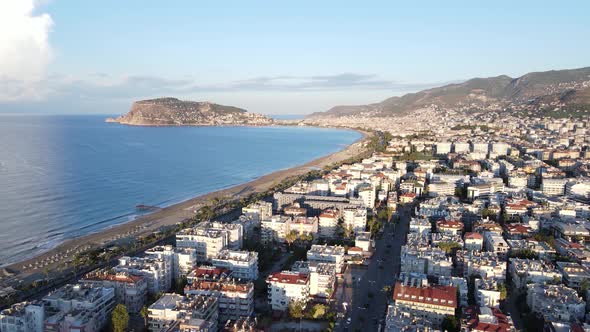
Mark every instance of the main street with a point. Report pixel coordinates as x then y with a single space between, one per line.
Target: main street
361 288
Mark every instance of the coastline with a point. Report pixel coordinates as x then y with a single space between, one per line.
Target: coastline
172 214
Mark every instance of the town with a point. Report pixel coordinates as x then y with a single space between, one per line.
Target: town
476 224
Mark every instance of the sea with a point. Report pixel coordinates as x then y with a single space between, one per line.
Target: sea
66 176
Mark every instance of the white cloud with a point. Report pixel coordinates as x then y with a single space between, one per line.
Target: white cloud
25 51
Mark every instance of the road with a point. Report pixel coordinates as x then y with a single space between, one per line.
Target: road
362 288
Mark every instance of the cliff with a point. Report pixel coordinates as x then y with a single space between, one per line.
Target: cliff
175 112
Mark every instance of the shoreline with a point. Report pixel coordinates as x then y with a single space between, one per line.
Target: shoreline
172 214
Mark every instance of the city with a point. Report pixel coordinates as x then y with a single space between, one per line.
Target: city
479 229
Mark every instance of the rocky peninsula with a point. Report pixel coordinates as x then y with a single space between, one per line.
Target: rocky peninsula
175 112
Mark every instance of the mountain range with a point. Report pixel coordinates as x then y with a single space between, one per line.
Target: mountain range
557 87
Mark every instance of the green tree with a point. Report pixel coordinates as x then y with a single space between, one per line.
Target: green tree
450 324
296 309
144 313
503 291
291 237
120 318
318 311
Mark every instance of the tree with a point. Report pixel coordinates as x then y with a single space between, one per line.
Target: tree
503 291
144 313
291 237
120 318
318 311
450 324
296 309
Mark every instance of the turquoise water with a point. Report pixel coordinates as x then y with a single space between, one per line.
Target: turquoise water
66 176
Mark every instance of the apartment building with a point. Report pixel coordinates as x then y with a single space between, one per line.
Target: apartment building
432 303
207 242
180 261
556 303
328 223
235 296
441 188
327 254
553 187
76 307
155 270
131 290
171 310
573 274
526 271
23 317
473 241
355 219
488 292
274 229
242 264
285 287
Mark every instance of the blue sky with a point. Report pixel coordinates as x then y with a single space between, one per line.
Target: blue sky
278 57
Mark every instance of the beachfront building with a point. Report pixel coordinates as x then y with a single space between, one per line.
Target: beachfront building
78 308
235 296
285 287
242 264
155 270
130 289
327 254
23 317
258 211
171 311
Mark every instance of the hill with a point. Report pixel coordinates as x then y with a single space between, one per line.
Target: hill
564 87
175 112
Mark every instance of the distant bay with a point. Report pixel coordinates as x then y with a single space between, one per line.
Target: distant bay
66 176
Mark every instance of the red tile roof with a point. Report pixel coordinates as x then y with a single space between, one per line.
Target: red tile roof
473 236
451 224
287 277
435 295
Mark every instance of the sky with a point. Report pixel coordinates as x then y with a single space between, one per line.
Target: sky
271 57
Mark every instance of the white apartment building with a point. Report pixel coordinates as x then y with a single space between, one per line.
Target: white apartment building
236 297
363 241
482 264
233 232
461 147
78 308
495 243
327 254
322 277
473 241
243 264
441 188
442 148
367 194
207 242
573 274
328 223
526 271
23 317
553 187
355 219
285 287
172 309
432 303
488 292
258 211
181 261
420 226
155 271
556 303
304 225
131 290
274 229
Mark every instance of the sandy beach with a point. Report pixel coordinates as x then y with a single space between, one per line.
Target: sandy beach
170 215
